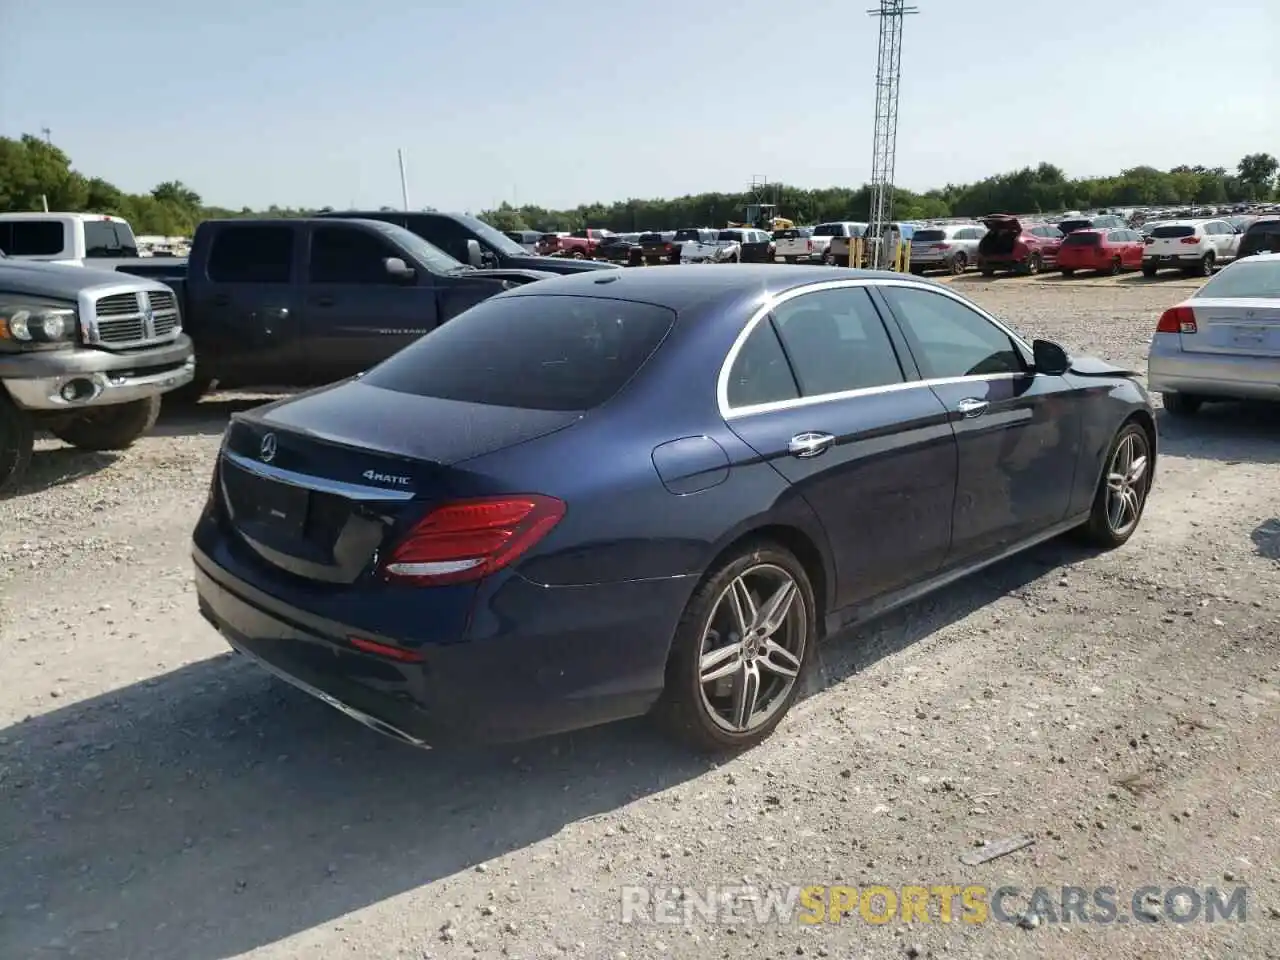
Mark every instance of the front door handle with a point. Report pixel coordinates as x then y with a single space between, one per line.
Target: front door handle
809 444
971 408
277 313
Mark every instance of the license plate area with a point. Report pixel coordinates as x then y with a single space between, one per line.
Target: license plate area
281 508
1245 336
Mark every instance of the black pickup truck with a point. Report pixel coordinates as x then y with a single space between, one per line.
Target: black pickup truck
472 240
303 302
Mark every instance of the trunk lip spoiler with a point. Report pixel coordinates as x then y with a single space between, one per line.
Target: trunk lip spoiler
341 488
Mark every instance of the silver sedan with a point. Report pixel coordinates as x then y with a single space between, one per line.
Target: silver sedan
1223 343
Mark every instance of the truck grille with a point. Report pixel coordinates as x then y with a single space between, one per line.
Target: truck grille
122 319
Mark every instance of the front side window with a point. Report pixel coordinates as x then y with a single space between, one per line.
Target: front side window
837 342
950 339
343 255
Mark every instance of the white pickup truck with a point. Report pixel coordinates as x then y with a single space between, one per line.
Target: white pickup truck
71 238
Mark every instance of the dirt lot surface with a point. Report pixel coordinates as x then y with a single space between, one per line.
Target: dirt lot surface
161 799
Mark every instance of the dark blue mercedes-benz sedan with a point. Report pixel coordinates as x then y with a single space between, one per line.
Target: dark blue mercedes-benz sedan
652 490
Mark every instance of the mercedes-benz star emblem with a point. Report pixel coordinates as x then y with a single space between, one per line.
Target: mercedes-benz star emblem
268 449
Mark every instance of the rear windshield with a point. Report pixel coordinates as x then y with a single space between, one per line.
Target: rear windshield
1082 238
829 230
651 238
788 235
1067 226
929 236
1249 279
688 234
1270 227
530 352
1166 233
729 235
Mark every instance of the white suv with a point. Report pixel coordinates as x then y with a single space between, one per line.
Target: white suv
1192 246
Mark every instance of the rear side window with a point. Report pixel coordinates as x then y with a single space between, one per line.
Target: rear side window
836 342
108 238
257 254
530 352
760 373
32 238
929 236
1169 233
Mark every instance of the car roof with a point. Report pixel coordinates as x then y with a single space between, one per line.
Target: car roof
693 287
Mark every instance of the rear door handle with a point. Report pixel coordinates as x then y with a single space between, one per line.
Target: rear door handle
810 444
971 408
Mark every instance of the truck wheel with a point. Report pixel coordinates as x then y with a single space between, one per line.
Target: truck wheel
17 437
579 255
115 427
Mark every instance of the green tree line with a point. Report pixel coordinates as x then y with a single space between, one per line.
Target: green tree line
33 171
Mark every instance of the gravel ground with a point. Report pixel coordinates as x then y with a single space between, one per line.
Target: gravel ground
160 799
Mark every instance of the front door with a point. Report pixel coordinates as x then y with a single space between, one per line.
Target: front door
1018 431
357 314
819 391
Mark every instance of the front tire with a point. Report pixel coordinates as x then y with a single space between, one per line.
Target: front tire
1205 268
1181 404
1115 268
740 650
1068 271
1148 271
959 264
1122 490
115 427
17 439
1034 263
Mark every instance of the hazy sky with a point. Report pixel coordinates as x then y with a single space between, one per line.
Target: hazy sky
558 102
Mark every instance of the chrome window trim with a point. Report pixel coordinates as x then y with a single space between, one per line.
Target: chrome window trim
770 304
352 491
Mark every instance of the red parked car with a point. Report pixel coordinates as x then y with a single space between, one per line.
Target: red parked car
1106 251
1009 245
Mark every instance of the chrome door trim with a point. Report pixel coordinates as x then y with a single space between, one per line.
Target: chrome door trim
770 303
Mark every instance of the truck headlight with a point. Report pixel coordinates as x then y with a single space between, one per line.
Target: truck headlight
31 322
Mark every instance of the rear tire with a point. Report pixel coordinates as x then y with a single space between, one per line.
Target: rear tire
1122 491
959 264
688 706
189 393
1148 271
1068 271
1205 268
988 271
1181 404
1034 263
1115 268
17 438
110 428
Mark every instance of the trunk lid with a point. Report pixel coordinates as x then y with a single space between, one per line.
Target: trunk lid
319 484
1002 222
1234 327
1168 240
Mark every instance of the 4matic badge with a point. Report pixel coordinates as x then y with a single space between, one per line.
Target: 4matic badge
377 477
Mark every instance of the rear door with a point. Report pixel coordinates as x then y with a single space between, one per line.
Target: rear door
869 450
357 314
244 311
1018 433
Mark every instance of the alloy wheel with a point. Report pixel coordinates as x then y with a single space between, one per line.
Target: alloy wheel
752 648
1127 483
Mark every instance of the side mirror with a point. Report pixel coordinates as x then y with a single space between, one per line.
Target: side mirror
475 255
1050 359
397 268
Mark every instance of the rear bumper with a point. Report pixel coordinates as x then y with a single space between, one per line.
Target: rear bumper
1173 260
533 660
1170 370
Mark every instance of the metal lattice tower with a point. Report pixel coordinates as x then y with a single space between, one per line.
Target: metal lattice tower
891 14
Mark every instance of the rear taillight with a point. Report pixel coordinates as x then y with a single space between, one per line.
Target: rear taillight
1148 240
943 246
470 539
1191 240
808 244
667 247
1177 320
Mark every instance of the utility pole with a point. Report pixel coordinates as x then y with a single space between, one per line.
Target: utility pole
48 135
891 14
404 181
